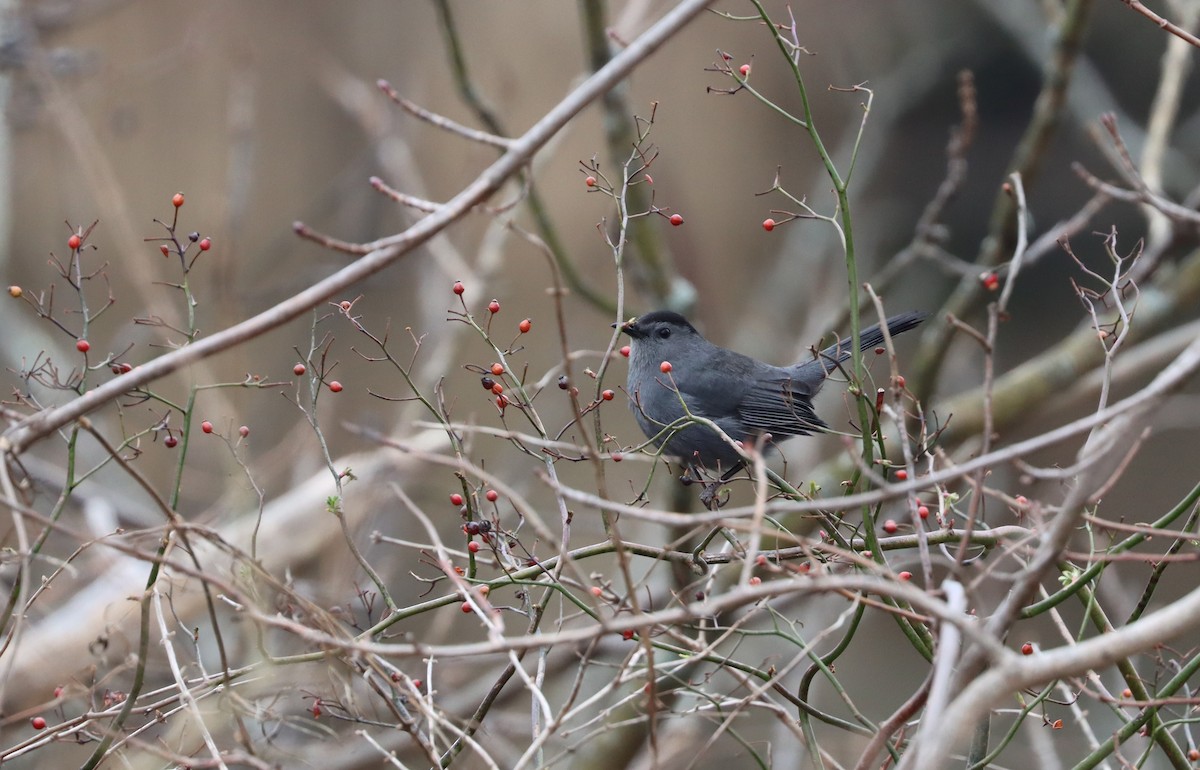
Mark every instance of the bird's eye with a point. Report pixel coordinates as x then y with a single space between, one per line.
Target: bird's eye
664 333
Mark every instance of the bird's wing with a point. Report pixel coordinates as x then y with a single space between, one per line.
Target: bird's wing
781 405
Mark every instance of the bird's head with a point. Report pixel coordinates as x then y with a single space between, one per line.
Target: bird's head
658 336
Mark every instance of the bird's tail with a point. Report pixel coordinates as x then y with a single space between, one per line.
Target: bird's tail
872 336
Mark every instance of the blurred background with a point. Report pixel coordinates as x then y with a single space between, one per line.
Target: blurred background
266 113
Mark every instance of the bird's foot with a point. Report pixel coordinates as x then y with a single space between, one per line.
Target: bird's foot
711 498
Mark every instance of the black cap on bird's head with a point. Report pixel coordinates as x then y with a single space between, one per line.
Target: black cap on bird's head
661 324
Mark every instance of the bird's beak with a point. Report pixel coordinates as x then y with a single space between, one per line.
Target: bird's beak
625 326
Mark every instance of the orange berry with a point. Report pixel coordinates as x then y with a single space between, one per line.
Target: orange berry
497 369
665 367
607 395
590 181
525 326
15 291
177 200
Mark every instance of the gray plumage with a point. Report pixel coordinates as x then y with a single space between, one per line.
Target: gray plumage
743 396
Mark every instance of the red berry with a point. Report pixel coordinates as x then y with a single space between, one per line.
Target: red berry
494 307
597 591
38 723
345 305
497 369
990 281
923 511
501 402
298 369
492 495
756 580
590 181
901 475
900 381
676 220
466 607
627 634
206 426
906 575
607 395
890 526
205 244
745 70
473 546
170 442
1027 648
665 367
525 326
768 225
58 691
459 288
83 346
1021 500
625 350
497 388
74 242
316 709
335 386
649 179
617 457
456 499
165 251
244 431
177 200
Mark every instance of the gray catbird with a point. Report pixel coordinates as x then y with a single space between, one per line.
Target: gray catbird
745 397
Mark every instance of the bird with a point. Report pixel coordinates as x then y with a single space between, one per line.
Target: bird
675 372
